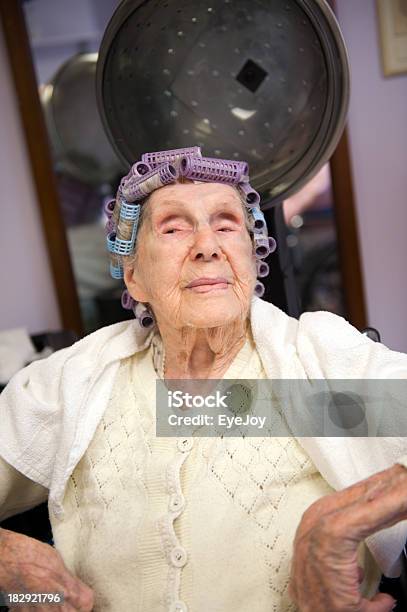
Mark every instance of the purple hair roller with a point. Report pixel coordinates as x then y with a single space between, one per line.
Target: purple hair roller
272 244
251 197
109 208
212 170
262 269
261 246
137 188
140 168
259 289
173 156
127 301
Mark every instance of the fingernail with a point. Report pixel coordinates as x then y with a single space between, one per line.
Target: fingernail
394 605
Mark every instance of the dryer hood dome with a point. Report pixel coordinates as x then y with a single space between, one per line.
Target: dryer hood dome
265 81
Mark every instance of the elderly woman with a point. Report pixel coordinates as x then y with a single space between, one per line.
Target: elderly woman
143 522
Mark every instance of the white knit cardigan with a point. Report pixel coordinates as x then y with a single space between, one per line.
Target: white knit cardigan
50 410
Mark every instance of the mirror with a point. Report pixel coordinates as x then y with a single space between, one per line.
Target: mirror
312 239
64 41
63 37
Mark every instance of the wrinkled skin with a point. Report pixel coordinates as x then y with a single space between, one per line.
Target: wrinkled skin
195 231
325 575
29 566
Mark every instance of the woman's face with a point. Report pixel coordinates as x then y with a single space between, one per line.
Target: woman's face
195 262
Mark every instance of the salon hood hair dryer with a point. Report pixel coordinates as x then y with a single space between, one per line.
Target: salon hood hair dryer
80 147
266 81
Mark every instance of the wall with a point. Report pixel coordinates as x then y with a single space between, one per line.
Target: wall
27 294
378 135
58 30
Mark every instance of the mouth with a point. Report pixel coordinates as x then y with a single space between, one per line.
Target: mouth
205 285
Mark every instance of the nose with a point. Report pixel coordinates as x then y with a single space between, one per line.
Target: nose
206 246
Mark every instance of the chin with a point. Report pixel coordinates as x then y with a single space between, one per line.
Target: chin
212 314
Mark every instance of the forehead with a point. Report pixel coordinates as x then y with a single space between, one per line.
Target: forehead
191 194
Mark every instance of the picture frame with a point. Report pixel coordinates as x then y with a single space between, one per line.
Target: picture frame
392 20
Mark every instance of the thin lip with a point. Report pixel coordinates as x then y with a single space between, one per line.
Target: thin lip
206 281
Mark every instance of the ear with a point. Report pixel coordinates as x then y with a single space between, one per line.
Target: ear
134 284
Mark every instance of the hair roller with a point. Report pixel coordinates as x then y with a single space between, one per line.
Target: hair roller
137 188
250 196
146 319
262 269
259 289
127 301
121 240
119 246
143 314
173 156
208 169
272 244
259 220
261 246
109 208
116 271
140 168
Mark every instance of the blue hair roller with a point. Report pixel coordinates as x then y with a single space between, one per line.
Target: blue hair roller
259 220
110 241
130 212
116 271
125 247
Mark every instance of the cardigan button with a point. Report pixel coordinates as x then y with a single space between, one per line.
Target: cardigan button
178 556
176 502
185 444
178 606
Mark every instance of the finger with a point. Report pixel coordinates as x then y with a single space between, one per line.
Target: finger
379 603
77 593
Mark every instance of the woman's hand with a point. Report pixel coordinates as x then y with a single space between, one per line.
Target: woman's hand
29 566
325 575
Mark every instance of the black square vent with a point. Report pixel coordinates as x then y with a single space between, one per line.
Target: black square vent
251 75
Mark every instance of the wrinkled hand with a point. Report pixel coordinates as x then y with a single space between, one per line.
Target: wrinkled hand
325 575
29 566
